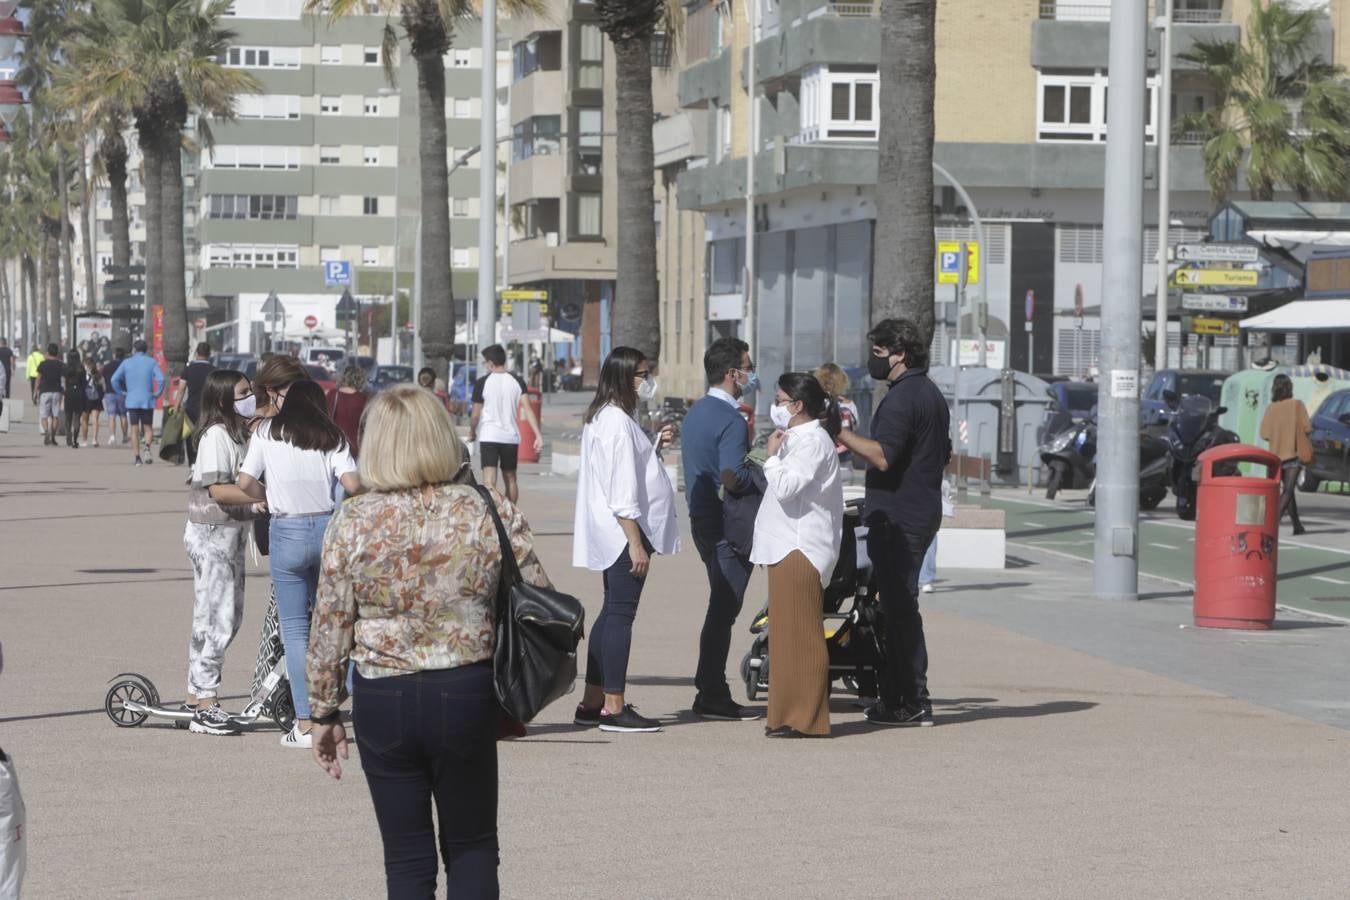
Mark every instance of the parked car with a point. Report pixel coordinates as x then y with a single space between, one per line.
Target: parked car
1155 411
380 377
1330 443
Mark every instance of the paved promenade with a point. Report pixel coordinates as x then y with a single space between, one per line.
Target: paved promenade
1080 751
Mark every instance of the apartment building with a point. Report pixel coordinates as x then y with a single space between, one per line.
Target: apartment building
1021 123
320 167
561 176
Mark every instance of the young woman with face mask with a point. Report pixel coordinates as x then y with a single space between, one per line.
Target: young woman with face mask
797 535
219 514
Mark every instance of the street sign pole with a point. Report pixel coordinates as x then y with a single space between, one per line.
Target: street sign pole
1115 571
1164 131
487 182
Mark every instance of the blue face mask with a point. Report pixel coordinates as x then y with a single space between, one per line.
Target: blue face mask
751 382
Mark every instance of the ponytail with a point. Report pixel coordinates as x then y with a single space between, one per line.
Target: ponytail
831 419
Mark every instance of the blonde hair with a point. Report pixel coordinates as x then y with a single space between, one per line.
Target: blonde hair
832 379
407 440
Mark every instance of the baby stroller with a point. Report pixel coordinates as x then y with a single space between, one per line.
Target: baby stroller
852 620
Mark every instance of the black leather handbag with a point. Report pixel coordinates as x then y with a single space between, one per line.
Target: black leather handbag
538 630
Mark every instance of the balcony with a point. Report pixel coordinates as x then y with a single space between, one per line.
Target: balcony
539 177
1199 12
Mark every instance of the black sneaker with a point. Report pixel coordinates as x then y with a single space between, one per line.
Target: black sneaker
138 461
212 720
627 721
880 714
725 710
587 718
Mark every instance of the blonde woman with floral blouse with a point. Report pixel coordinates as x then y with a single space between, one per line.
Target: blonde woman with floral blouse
408 592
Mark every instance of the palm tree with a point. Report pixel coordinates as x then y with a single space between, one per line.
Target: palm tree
902 280
429 26
159 60
630 25
1279 107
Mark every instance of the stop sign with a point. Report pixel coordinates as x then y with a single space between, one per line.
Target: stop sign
311 322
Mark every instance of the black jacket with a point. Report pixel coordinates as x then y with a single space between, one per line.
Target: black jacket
740 505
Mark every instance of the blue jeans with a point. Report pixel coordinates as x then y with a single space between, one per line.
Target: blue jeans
728 574
928 571
611 637
297 549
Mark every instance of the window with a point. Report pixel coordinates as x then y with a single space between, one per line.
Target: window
370 206
264 9
370 156
250 256
370 256
839 102
371 106
269 106
723 132
662 51
370 56
329 156
330 106
247 156
330 55
460 59
251 206
590 124
1071 106
524 58
330 254
460 258
328 205
460 206
463 109
537 136
261 58
590 57
586 215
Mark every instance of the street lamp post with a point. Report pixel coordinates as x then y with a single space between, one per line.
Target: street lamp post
398 167
487 181
1163 127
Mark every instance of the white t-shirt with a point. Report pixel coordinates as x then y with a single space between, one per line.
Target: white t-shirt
299 482
499 394
218 459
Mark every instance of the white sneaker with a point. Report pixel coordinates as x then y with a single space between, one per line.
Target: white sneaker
926 588
297 739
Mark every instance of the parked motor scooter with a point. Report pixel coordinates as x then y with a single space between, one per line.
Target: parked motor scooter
1155 472
1069 456
1194 428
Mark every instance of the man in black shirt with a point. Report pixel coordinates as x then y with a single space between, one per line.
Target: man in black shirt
7 363
113 404
906 458
50 387
193 379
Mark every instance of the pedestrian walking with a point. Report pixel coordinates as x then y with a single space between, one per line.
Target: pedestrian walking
94 389
499 400
1285 428
906 455
346 403
73 401
49 385
188 397
113 404
7 365
797 535
140 383
301 454
713 440
219 516
408 592
625 511
35 358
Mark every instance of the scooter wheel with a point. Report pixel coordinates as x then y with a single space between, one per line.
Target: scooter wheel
1151 501
283 707
1056 478
114 704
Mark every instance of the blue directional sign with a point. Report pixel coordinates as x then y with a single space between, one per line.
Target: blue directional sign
337 273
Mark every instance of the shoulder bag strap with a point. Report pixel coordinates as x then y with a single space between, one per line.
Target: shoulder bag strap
510 576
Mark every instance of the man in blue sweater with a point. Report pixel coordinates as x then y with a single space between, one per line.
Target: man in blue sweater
139 382
714 439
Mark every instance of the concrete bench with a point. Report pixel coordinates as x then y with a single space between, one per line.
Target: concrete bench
975 538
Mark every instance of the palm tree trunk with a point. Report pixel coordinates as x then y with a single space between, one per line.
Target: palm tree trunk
175 277
438 302
65 237
113 149
86 229
52 269
154 226
902 281
638 323
28 279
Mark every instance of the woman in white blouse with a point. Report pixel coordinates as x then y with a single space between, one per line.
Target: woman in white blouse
797 535
625 512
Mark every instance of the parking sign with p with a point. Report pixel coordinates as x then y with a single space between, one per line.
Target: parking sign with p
949 262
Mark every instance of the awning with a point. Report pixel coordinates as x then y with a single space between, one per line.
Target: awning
1303 315
1290 238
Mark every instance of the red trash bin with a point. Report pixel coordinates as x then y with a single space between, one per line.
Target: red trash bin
1236 539
527 451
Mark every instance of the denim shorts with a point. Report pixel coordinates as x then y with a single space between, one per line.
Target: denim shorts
114 405
49 405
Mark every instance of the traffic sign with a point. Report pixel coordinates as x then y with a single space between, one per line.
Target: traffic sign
1200 325
1214 302
1217 278
346 307
972 262
949 262
524 295
337 272
311 322
1241 253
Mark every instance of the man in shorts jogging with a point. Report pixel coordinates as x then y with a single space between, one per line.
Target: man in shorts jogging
140 383
498 398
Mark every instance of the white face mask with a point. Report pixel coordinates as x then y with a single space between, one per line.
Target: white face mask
780 416
246 407
647 390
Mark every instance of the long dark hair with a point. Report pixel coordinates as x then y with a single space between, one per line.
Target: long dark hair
616 382
218 405
304 422
804 388
1282 388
